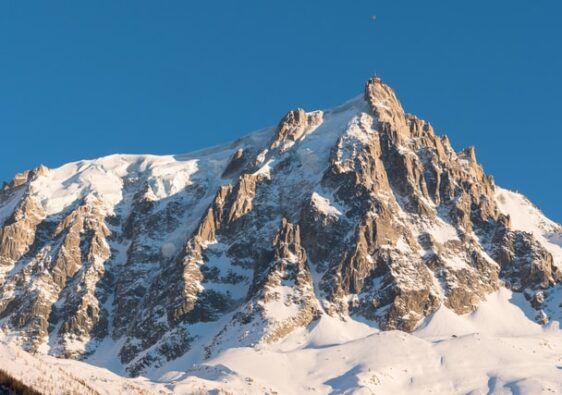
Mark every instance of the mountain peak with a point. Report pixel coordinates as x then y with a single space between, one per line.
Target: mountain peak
360 213
383 100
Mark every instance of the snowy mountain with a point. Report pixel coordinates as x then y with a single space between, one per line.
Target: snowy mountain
347 250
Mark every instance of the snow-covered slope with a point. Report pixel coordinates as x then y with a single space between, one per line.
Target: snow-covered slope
496 349
294 259
52 376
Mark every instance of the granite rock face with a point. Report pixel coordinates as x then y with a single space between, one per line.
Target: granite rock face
362 210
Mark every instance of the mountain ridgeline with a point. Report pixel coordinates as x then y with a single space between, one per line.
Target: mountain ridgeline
360 211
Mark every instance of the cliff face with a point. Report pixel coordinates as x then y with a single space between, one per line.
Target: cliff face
357 211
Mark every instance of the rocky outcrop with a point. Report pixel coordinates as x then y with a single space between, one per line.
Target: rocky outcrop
81 316
68 273
25 177
288 281
524 262
18 232
384 103
236 163
294 126
281 298
244 193
214 218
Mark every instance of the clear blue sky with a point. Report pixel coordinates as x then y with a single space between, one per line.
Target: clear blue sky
82 79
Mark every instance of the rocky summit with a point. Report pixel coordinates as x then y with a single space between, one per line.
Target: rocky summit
358 213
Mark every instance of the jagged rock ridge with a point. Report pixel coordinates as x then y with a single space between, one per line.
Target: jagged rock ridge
357 211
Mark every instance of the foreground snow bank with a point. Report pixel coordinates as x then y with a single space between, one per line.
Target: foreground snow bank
495 350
